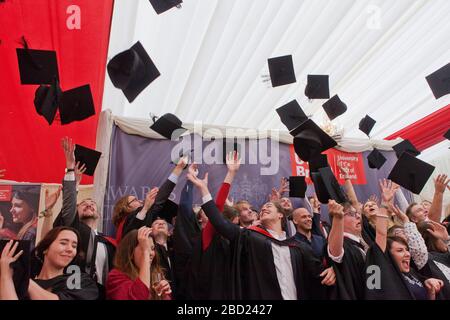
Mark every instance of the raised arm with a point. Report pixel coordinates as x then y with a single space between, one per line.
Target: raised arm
336 236
440 184
349 190
68 215
223 226
46 215
8 257
382 222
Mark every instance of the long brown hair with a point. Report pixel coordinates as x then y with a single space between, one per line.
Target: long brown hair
124 262
119 211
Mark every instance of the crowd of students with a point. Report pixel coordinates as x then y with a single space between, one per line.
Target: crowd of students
372 249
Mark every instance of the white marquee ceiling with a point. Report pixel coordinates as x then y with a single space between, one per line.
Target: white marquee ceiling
212 55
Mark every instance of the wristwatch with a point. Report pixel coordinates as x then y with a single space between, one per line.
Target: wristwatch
69 170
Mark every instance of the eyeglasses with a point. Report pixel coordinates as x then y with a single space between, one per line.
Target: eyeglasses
350 213
135 199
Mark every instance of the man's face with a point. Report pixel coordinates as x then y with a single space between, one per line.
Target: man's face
302 219
160 227
246 215
286 203
269 214
352 221
419 213
87 209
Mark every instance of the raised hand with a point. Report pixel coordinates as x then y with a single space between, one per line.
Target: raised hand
441 182
143 236
9 256
150 198
438 231
68 148
274 195
398 213
284 186
387 190
79 170
2 173
193 169
233 161
373 198
335 209
51 199
202 184
229 202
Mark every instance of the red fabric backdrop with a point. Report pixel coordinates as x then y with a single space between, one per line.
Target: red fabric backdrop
30 148
427 131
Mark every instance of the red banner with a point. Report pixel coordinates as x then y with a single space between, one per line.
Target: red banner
5 193
353 162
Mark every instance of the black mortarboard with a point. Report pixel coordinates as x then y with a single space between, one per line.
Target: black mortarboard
297 187
310 140
317 87
405 146
169 126
439 81
46 100
319 187
161 6
375 159
317 162
132 71
334 107
366 124
411 173
76 104
37 66
21 267
88 157
281 70
291 114
168 211
332 185
447 135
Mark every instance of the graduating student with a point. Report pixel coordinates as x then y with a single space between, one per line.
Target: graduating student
56 251
137 273
98 250
264 264
145 215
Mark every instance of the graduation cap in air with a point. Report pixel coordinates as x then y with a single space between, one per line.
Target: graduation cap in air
132 71
317 87
317 162
411 173
291 114
168 211
281 70
169 126
319 187
405 146
297 187
21 267
88 157
37 66
334 107
366 124
161 6
439 81
375 159
310 140
332 186
76 104
46 100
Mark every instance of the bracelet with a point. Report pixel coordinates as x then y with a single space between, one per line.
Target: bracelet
45 214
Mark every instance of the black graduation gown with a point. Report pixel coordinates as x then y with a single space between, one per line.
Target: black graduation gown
350 273
368 232
392 282
253 274
431 270
88 288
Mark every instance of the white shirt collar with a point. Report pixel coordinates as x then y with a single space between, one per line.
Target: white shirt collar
352 237
282 236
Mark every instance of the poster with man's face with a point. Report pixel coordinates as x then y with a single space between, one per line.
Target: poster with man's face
19 211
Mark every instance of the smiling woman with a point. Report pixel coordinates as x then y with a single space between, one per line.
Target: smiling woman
54 253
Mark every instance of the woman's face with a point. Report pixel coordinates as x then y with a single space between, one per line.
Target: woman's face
370 209
20 210
401 256
138 254
63 250
133 204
